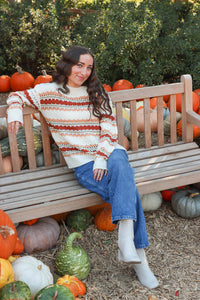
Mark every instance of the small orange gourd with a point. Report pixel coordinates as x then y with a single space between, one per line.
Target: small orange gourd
122 84
153 103
94 208
44 78
4 83
103 220
19 247
107 87
30 222
196 130
76 286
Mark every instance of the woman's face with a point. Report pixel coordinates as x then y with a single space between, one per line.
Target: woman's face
81 71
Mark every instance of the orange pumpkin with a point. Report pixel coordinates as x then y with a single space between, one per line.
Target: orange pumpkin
166 98
21 80
19 247
140 86
8 235
153 103
107 87
167 194
60 217
30 222
196 130
44 78
4 83
94 208
103 219
197 91
195 101
76 286
122 84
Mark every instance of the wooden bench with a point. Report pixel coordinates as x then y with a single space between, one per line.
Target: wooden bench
39 192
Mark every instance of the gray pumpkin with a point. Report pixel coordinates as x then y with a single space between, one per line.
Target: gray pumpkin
186 203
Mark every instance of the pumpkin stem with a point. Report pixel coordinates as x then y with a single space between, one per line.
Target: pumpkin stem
19 69
13 287
71 238
44 73
55 295
194 194
6 231
40 267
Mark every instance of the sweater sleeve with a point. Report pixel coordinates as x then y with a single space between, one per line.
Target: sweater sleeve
16 101
108 141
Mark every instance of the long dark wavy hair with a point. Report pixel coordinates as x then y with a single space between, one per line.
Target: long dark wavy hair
98 98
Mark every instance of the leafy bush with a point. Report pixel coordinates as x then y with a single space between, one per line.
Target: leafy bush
33 37
150 43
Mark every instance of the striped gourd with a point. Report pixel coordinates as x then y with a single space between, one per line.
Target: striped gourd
73 260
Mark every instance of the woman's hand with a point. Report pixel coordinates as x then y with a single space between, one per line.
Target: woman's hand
13 127
98 174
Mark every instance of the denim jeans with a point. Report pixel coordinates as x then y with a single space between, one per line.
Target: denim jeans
119 189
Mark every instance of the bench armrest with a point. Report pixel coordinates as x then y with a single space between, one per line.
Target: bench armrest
193 117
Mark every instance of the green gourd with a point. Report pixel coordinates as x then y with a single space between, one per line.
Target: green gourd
79 219
186 203
73 260
54 292
21 143
15 290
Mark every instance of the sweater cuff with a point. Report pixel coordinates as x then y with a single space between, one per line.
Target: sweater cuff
100 163
15 115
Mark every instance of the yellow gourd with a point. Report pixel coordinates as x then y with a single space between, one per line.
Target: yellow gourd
6 272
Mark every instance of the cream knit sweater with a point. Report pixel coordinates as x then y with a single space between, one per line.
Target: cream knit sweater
80 135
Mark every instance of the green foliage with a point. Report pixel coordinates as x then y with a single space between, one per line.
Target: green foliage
149 43
33 37
146 41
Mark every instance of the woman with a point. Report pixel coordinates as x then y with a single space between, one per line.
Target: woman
79 114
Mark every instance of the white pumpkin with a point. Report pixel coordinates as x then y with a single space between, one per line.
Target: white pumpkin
33 272
151 201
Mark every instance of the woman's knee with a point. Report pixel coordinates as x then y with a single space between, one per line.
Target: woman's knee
118 160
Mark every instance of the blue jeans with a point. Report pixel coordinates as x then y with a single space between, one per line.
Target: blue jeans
119 189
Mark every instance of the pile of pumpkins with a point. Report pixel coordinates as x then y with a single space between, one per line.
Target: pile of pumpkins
72 263
19 81
26 277
22 80
124 84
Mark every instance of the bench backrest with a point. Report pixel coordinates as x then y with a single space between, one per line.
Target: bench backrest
119 98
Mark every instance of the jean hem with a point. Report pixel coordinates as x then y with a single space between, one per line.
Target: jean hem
141 246
118 218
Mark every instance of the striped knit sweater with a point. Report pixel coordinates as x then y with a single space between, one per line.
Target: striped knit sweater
80 135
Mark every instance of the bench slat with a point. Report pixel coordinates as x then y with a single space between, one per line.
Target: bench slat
37 182
165 172
157 151
25 193
42 197
30 175
54 207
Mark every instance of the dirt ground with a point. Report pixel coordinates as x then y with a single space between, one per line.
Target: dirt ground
173 255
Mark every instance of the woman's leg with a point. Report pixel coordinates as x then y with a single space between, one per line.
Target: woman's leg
119 189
